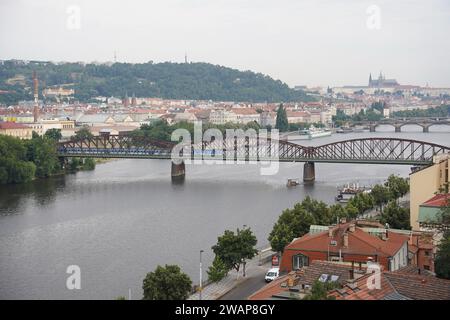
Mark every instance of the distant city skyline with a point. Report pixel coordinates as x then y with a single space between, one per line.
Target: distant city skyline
313 42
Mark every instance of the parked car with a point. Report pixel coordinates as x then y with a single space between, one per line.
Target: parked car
272 274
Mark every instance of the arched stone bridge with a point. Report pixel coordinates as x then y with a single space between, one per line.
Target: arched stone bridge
398 123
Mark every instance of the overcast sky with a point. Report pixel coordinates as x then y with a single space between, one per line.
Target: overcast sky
301 42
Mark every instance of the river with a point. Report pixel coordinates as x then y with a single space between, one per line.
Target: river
121 220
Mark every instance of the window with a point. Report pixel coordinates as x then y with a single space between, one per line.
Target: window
299 261
427 253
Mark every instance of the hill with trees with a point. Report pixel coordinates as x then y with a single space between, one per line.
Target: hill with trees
196 81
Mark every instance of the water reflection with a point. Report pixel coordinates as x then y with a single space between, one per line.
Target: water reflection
42 191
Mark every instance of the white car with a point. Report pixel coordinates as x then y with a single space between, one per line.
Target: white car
272 274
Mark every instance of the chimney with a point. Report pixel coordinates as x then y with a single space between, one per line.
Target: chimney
290 282
346 240
352 274
330 232
351 228
36 97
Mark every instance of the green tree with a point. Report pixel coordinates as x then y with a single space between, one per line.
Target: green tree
292 223
167 283
42 152
442 260
54 134
89 164
319 290
234 248
398 187
396 216
445 213
14 165
281 122
217 271
83 133
381 195
351 210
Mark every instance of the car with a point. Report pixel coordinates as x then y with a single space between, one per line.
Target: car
272 274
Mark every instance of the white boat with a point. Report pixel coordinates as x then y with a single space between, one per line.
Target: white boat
347 192
318 133
311 133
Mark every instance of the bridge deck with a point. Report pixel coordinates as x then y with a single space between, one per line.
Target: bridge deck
368 150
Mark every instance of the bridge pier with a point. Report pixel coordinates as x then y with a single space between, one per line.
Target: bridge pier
178 172
398 129
425 129
309 172
372 128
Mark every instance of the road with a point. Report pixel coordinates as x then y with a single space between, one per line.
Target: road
248 286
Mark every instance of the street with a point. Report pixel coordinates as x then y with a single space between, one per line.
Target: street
248 286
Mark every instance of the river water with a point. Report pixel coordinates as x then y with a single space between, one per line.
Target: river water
121 220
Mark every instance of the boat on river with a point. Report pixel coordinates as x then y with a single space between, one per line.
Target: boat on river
345 193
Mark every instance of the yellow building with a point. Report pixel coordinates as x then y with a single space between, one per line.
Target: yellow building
17 130
425 183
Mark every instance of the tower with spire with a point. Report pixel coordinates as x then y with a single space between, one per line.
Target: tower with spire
36 97
126 100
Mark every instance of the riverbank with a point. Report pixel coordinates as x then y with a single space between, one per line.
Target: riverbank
121 220
256 267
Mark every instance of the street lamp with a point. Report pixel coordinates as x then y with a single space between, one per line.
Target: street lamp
200 287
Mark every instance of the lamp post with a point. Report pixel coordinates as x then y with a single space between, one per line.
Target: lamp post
200 286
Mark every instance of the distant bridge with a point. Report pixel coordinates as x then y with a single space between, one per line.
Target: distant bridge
365 150
398 123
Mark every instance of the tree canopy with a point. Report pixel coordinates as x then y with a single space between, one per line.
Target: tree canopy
395 216
295 222
197 81
281 122
23 160
167 283
442 260
234 248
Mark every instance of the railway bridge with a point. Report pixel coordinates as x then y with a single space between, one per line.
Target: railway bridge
244 149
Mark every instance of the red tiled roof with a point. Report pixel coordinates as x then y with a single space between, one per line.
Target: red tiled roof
359 290
359 242
305 276
244 111
12 125
419 287
396 285
439 200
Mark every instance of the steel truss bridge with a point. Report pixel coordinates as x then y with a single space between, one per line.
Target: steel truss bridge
365 150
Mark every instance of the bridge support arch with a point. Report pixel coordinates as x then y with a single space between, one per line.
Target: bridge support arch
309 172
178 171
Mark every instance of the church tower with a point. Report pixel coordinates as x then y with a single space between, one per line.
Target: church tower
36 97
370 79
